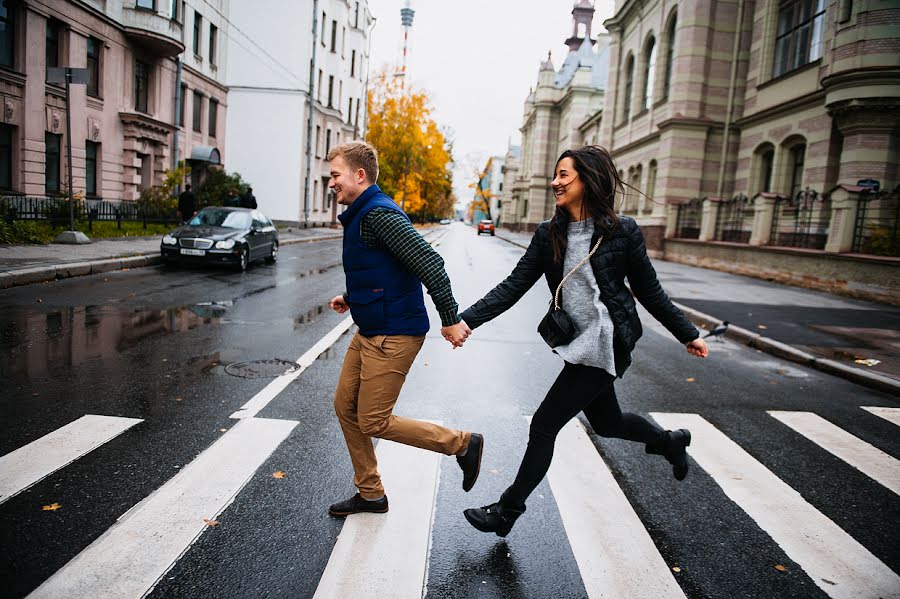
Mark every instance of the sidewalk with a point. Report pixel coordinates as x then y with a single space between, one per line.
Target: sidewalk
826 332
26 264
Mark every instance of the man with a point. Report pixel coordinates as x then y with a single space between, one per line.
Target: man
248 200
232 199
386 262
187 205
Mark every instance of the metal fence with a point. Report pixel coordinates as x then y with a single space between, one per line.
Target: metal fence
56 211
687 223
801 221
734 221
877 222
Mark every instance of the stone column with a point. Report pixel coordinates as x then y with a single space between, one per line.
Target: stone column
763 215
671 220
844 207
708 220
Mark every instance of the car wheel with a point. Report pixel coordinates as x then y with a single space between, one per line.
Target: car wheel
492 233
244 261
273 256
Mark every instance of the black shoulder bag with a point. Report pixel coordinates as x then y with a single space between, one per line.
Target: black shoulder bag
557 327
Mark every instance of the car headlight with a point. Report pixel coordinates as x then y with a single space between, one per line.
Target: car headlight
225 245
169 240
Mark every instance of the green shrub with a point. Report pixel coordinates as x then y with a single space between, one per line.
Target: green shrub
216 185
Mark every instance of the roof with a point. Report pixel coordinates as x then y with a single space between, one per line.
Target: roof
206 154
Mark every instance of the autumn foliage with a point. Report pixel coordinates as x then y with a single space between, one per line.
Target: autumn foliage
403 131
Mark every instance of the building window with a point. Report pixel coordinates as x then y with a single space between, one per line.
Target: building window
7 33
318 141
198 27
798 40
146 4
350 111
181 105
670 56
629 84
766 159
91 152
93 66
649 72
213 43
324 19
334 36
213 116
356 16
651 180
319 88
353 63
52 43
52 162
330 90
141 86
797 155
198 112
327 141
6 156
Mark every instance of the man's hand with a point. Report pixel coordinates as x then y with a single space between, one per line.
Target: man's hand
456 334
339 304
697 347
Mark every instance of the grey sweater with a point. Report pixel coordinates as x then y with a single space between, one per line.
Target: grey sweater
593 342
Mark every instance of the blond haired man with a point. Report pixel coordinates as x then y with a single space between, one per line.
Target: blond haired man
386 262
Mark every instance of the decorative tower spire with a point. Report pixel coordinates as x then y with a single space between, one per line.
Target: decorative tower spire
582 18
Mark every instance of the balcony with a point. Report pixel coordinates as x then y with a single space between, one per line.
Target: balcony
157 34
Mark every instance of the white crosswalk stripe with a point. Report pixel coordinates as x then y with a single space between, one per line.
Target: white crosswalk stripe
133 554
869 460
889 414
386 555
614 552
835 561
27 465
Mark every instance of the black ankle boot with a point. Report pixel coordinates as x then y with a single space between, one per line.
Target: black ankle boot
672 445
496 518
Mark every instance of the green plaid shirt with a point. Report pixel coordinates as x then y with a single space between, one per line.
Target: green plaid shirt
389 230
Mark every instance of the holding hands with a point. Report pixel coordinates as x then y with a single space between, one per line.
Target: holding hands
456 334
697 347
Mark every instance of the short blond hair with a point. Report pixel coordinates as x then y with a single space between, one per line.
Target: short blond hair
359 155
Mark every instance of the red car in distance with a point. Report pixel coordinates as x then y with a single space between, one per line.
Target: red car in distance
486 226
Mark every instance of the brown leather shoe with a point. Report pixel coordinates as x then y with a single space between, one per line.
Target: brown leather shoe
471 462
357 504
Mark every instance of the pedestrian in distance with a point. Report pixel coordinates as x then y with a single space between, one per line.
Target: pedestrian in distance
187 204
248 200
386 262
232 199
596 250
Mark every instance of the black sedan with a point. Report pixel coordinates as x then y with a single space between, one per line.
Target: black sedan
222 235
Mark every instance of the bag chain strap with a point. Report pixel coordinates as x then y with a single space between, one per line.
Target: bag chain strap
571 272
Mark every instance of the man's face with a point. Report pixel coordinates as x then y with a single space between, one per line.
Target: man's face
346 183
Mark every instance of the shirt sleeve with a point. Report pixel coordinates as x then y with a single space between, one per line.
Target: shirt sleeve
390 230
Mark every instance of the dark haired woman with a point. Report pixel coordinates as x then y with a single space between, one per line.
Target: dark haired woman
607 326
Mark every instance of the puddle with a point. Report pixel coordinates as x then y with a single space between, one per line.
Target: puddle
310 315
261 369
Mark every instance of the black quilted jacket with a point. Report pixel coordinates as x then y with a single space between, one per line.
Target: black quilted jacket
622 254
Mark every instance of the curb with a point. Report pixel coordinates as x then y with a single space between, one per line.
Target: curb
42 274
783 350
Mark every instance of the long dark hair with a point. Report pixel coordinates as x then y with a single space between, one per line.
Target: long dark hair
601 183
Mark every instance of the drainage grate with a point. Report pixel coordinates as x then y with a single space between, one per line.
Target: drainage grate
261 369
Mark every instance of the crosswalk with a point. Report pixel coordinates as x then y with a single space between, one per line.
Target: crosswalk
388 555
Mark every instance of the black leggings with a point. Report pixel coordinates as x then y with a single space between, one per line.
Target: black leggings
576 388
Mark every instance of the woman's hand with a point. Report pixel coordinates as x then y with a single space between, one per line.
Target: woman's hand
456 334
697 347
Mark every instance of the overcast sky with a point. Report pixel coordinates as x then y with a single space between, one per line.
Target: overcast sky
477 59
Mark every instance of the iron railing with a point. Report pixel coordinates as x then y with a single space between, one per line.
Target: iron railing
55 210
687 222
801 221
734 221
877 223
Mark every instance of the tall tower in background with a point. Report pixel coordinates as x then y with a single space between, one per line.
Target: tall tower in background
406 19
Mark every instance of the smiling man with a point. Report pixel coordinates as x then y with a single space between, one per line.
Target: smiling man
386 262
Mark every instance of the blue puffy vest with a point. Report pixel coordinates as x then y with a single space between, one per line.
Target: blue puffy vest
385 298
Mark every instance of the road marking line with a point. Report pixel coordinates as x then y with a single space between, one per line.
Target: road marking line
27 465
271 391
869 460
614 552
889 414
817 544
136 551
386 555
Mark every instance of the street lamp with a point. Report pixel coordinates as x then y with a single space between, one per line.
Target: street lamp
78 76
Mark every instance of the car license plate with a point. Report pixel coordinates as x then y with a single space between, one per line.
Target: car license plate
186 252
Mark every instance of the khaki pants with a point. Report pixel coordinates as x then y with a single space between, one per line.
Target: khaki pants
373 374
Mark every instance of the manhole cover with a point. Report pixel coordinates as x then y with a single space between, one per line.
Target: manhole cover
261 369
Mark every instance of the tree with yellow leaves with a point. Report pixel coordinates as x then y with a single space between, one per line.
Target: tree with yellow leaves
414 156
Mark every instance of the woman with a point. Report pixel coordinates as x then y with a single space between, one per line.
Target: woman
606 323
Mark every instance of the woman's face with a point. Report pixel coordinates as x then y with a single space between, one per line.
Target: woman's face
567 187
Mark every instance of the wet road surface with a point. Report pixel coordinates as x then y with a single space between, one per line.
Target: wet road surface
156 345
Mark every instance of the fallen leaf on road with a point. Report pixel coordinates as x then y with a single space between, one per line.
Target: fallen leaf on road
211 522
690 379
222 430
278 474
676 569
177 399
868 362
781 568
40 301
761 326
51 508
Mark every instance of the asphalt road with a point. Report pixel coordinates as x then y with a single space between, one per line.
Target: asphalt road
154 344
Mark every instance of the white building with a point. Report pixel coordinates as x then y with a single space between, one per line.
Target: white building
270 52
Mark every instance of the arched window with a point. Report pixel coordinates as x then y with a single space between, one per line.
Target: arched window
764 159
649 71
651 185
637 203
669 54
791 163
629 84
